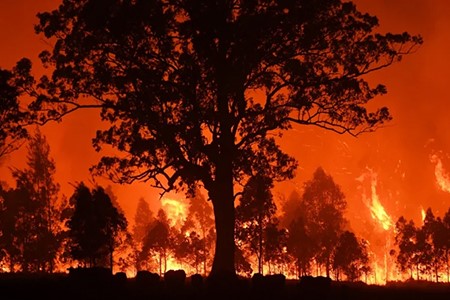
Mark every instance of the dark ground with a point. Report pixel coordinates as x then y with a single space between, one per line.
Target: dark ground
64 287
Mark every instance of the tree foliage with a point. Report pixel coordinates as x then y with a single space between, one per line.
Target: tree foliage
350 257
13 118
424 249
32 212
254 214
159 241
200 85
323 205
94 227
143 219
199 225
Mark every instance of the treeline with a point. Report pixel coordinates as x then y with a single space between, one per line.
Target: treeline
424 250
308 235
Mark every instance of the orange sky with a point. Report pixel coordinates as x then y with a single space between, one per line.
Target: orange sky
400 153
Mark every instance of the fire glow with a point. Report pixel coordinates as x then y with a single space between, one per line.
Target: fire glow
377 210
442 177
176 210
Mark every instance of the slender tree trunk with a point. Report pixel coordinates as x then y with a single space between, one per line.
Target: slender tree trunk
165 260
260 242
160 263
327 266
448 266
204 250
111 261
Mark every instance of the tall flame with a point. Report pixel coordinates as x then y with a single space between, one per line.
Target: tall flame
377 210
442 177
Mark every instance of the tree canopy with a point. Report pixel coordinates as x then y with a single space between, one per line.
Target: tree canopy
94 226
30 226
13 84
195 90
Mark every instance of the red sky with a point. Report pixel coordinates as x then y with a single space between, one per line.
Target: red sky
400 153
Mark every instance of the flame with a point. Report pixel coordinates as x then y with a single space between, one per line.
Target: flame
377 210
379 245
423 214
176 210
442 177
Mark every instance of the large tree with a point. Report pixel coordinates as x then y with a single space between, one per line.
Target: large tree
194 89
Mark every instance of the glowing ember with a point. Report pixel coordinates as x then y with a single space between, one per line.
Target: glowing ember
175 209
442 177
376 209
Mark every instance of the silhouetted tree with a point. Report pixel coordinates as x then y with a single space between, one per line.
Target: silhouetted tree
405 239
301 246
158 241
444 240
290 209
38 179
254 213
12 119
189 247
94 227
201 85
143 220
322 206
433 252
350 257
243 266
275 245
200 220
14 226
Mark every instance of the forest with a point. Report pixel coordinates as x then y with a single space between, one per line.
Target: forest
195 98
42 231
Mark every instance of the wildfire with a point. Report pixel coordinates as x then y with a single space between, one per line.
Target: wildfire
422 212
442 177
175 209
377 210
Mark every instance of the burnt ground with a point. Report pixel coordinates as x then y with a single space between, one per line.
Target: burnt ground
64 287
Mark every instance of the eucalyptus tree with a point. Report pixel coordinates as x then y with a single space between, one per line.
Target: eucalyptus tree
195 91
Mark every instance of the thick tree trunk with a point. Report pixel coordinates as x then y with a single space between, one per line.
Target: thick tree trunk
224 215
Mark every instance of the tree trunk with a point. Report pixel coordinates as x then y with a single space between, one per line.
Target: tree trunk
160 263
327 266
111 258
224 217
260 245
